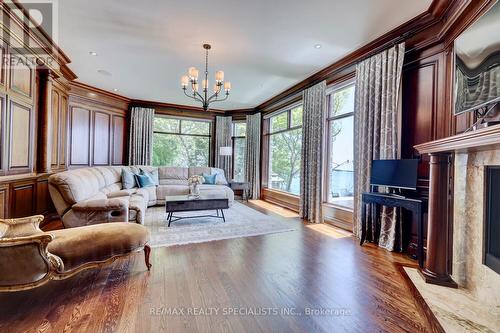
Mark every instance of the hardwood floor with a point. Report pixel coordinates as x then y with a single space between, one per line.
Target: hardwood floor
359 289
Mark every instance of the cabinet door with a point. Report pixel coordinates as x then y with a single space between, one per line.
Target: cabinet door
79 148
119 144
101 138
20 128
63 130
21 77
55 121
22 199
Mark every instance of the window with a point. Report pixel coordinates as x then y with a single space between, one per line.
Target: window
181 142
340 185
285 143
239 150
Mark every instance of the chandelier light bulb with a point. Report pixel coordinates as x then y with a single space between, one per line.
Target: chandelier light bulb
216 88
195 86
193 73
184 81
227 86
205 84
219 76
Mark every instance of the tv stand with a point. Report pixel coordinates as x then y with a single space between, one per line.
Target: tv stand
417 206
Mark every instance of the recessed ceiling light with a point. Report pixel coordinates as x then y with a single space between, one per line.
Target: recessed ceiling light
93 53
104 72
115 90
317 46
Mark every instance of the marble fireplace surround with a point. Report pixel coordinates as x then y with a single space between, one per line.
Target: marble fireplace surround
455 236
468 269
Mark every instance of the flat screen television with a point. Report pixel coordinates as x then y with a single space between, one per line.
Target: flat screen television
477 64
395 173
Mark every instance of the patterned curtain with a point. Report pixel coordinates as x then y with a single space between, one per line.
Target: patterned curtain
223 139
252 157
377 120
141 136
313 120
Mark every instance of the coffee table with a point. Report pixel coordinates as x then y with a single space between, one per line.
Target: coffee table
187 203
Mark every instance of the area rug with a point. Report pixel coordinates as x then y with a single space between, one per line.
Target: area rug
241 221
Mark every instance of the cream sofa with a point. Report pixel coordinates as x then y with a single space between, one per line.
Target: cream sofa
95 195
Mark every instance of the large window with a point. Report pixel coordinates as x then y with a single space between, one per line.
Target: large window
340 185
285 143
239 150
181 142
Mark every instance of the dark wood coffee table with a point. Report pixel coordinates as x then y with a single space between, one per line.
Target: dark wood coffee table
186 203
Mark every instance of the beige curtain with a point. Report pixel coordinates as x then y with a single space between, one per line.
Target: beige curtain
377 120
252 156
313 120
223 138
141 136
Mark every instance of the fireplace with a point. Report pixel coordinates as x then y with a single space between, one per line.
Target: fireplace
492 218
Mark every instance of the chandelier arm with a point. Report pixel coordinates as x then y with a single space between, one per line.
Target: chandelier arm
221 100
192 97
201 99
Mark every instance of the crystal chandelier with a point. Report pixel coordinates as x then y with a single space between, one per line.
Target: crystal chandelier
204 98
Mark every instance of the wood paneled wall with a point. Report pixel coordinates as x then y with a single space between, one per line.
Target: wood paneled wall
97 127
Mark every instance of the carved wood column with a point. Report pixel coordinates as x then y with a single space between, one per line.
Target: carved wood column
437 265
45 122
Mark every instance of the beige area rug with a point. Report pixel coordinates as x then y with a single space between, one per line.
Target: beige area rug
241 221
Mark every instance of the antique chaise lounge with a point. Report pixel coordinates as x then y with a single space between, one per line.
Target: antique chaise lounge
30 257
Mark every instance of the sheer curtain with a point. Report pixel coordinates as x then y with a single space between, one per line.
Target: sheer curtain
252 156
313 120
141 136
377 120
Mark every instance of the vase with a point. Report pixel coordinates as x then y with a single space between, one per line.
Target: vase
195 190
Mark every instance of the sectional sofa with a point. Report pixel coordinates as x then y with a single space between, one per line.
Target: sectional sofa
95 195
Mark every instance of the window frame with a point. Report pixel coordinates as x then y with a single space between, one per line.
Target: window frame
233 140
267 133
179 132
329 119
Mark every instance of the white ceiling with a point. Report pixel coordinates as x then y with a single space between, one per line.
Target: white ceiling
263 46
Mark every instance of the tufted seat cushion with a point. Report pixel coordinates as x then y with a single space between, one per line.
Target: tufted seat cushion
77 246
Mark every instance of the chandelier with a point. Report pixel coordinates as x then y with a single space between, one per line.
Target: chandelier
204 98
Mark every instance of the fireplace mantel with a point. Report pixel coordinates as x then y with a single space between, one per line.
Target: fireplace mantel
483 139
440 222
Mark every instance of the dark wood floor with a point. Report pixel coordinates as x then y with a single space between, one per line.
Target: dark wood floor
313 267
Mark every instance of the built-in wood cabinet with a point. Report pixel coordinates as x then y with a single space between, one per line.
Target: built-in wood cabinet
59 125
97 127
17 115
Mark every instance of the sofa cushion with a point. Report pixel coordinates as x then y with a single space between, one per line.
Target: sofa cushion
163 190
198 171
150 192
121 193
76 246
128 179
173 173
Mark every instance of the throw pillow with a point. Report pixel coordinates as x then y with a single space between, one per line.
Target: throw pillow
144 180
209 179
128 179
153 174
220 179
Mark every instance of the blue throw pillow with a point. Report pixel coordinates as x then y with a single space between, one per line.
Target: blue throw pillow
128 179
153 174
144 180
209 179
